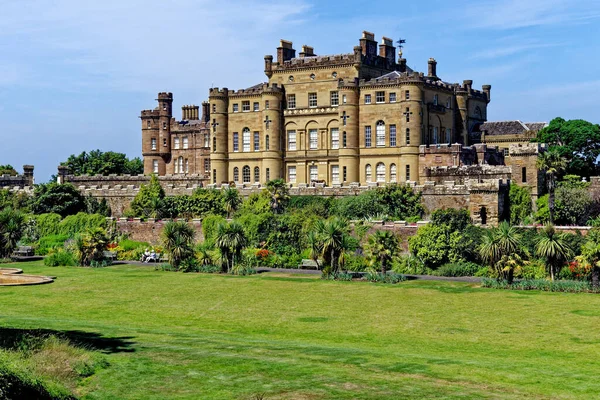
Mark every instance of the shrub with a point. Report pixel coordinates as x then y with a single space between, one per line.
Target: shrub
209 227
48 224
458 269
338 276
539 284
361 206
209 269
60 259
389 277
409 264
101 263
47 243
189 265
520 204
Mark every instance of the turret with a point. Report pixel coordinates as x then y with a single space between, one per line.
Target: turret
487 89
63 171
269 66
28 173
272 128
349 132
219 131
432 69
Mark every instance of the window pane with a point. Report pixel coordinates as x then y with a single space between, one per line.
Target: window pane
246 174
335 138
291 101
246 140
393 173
314 174
313 138
291 140
367 136
335 173
312 99
256 141
335 99
292 174
380 134
368 172
392 135
380 97
256 174
236 145
185 142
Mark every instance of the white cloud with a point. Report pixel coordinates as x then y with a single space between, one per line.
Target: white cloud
510 50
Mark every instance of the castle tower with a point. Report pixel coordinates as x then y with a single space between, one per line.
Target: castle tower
411 135
349 118
156 135
219 103
462 115
272 127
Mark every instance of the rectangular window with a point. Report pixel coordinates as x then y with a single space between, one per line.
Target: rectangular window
206 165
380 134
236 107
256 141
407 113
236 142
435 100
313 139
314 173
246 140
367 99
335 173
505 152
392 135
524 175
408 173
292 174
367 136
344 99
246 106
448 135
164 142
186 144
268 174
407 136
176 143
266 104
449 102
164 125
292 141
345 174
149 124
153 143
407 95
436 138
291 101
344 140
335 138
256 106
206 140
380 97
312 100
335 99
155 166
392 97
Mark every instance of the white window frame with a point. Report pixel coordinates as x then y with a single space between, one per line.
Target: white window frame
185 142
392 97
292 140
380 172
313 172
153 143
335 174
368 138
292 174
379 97
393 173
313 139
393 136
335 138
291 99
155 166
256 175
256 106
380 134
368 173
367 99
312 100
246 106
256 141
236 174
236 142
246 177
176 143
335 98
246 140
236 107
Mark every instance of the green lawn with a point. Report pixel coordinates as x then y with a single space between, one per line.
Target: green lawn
190 336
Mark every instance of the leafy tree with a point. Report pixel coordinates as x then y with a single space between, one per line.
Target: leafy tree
519 204
554 249
362 206
95 206
97 162
17 201
178 240
572 206
279 191
232 200
148 202
553 164
590 256
8 170
501 249
230 240
382 247
62 199
400 201
90 246
578 141
333 238
12 225
455 219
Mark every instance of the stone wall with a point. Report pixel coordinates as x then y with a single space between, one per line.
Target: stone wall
150 231
23 182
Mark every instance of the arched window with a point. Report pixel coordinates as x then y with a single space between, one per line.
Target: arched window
246 139
380 134
236 174
380 171
214 144
256 174
368 173
246 174
267 143
393 173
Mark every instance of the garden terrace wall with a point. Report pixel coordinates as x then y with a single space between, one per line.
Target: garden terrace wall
150 231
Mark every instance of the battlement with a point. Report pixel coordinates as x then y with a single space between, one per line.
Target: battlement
316 61
150 114
18 182
527 149
165 96
257 90
217 92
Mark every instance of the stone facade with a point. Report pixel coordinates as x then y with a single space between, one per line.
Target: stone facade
21 183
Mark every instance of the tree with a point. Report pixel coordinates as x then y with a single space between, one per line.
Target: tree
519 203
553 164
8 170
382 247
553 248
578 141
90 246
590 256
62 199
332 237
12 224
279 192
501 249
230 240
400 201
178 240
232 200
97 162
148 202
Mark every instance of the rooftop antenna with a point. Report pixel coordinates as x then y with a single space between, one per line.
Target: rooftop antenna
401 43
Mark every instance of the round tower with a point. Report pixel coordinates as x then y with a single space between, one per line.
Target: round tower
349 144
219 104
272 133
411 134
462 104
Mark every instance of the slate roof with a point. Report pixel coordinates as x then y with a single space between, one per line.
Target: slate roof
510 127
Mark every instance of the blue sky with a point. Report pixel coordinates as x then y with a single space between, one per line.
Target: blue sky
75 74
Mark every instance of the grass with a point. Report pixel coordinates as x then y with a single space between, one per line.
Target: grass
190 336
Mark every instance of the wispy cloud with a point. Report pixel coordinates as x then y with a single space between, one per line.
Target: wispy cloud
510 50
511 14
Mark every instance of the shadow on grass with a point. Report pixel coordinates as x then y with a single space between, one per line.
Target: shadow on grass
25 339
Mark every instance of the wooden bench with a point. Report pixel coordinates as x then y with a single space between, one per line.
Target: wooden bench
308 264
23 251
110 255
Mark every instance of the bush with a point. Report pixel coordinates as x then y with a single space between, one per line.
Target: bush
362 206
389 277
338 276
48 243
101 263
458 269
60 259
189 265
539 284
520 204
209 227
209 269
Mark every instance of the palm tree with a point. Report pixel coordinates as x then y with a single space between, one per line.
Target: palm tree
590 255
315 247
231 240
382 246
333 239
91 245
178 240
501 249
231 198
553 164
12 224
553 248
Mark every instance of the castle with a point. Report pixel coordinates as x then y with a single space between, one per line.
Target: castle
335 125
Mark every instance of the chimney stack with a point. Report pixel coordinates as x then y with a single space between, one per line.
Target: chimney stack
206 111
368 44
432 70
487 89
307 51
387 50
285 51
28 173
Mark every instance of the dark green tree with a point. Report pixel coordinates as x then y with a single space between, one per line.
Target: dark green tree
12 225
103 163
148 203
578 141
59 199
554 249
553 164
519 203
8 170
178 239
400 201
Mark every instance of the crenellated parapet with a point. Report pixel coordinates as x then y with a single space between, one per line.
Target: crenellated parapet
17 183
